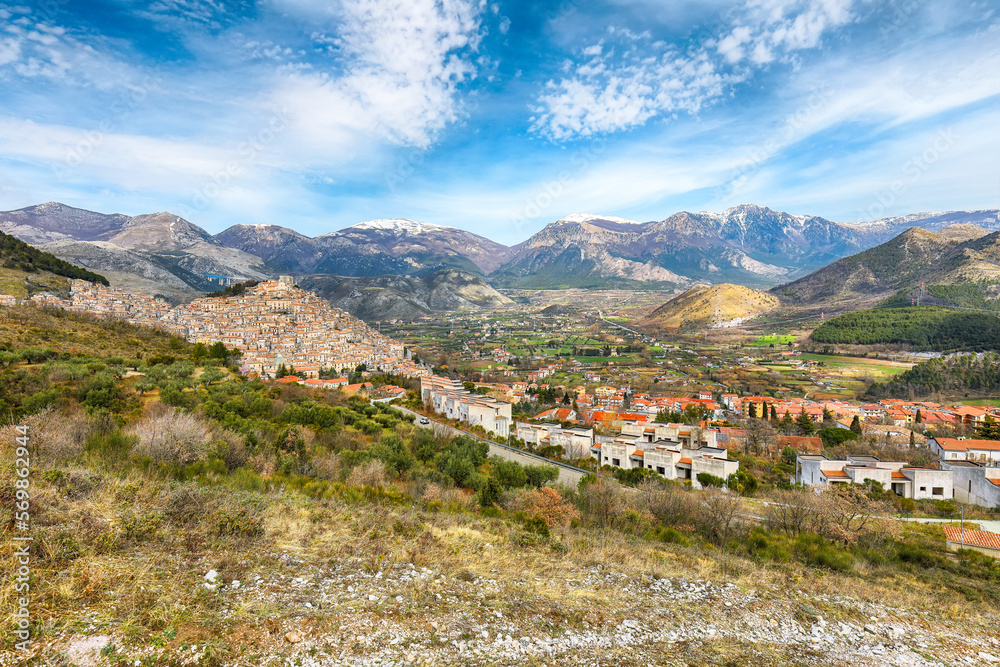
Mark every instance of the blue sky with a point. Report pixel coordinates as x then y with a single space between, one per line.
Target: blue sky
498 117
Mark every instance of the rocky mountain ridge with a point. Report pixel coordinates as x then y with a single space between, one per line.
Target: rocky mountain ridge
747 244
910 261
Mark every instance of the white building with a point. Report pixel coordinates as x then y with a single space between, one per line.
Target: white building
965 449
669 459
575 441
449 398
817 471
975 483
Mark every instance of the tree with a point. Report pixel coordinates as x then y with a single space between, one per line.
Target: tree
990 430
805 423
761 436
856 424
787 424
199 351
913 440
828 419
218 351
919 418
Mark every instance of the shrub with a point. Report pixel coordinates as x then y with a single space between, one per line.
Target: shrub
172 437
547 503
490 492
718 514
709 480
670 536
601 500
510 474
369 473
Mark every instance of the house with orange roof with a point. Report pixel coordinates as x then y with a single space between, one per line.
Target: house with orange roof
985 542
970 414
965 449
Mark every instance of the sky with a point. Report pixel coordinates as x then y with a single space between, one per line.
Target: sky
498 117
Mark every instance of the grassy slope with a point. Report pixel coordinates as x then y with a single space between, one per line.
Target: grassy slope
28 327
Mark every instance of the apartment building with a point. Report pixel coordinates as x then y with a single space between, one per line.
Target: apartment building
449 398
815 470
669 459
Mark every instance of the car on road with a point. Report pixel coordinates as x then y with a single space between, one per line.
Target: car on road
425 420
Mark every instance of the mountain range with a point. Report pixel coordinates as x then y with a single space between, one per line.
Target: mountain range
747 245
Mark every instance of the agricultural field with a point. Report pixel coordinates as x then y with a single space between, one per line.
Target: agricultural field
773 339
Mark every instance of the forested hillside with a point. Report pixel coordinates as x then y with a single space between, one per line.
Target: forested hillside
16 254
923 327
963 374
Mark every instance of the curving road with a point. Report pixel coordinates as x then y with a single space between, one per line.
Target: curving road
568 475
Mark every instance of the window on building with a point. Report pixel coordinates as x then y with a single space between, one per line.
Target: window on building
616 462
937 491
923 489
661 470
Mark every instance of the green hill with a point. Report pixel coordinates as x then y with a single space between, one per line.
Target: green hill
965 375
923 327
902 266
16 255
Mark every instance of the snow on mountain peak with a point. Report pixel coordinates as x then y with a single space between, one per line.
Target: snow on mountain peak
587 217
402 225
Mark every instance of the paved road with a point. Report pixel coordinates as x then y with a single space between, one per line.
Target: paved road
568 475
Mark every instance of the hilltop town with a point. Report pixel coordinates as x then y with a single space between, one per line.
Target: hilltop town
274 324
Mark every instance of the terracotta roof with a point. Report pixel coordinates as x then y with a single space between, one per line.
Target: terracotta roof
976 538
834 473
898 475
956 445
688 461
638 452
993 481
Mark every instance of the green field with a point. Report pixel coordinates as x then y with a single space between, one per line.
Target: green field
863 365
773 339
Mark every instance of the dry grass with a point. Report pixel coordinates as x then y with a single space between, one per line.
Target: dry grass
127 554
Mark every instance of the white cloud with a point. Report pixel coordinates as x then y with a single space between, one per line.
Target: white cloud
609 90
34 48
399 75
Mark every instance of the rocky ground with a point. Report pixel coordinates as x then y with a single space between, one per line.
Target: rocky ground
285 610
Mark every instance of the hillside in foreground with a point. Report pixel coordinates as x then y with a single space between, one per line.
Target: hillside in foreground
184 515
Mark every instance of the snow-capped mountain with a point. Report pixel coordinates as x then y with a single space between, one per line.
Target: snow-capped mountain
746 244
376 247
400 226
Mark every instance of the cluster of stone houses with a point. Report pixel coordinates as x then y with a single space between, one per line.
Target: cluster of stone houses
272 324
449 398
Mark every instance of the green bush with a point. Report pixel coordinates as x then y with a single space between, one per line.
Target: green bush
706 480
670 535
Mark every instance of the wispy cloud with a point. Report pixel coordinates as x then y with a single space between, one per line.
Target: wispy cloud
398 66
631 78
